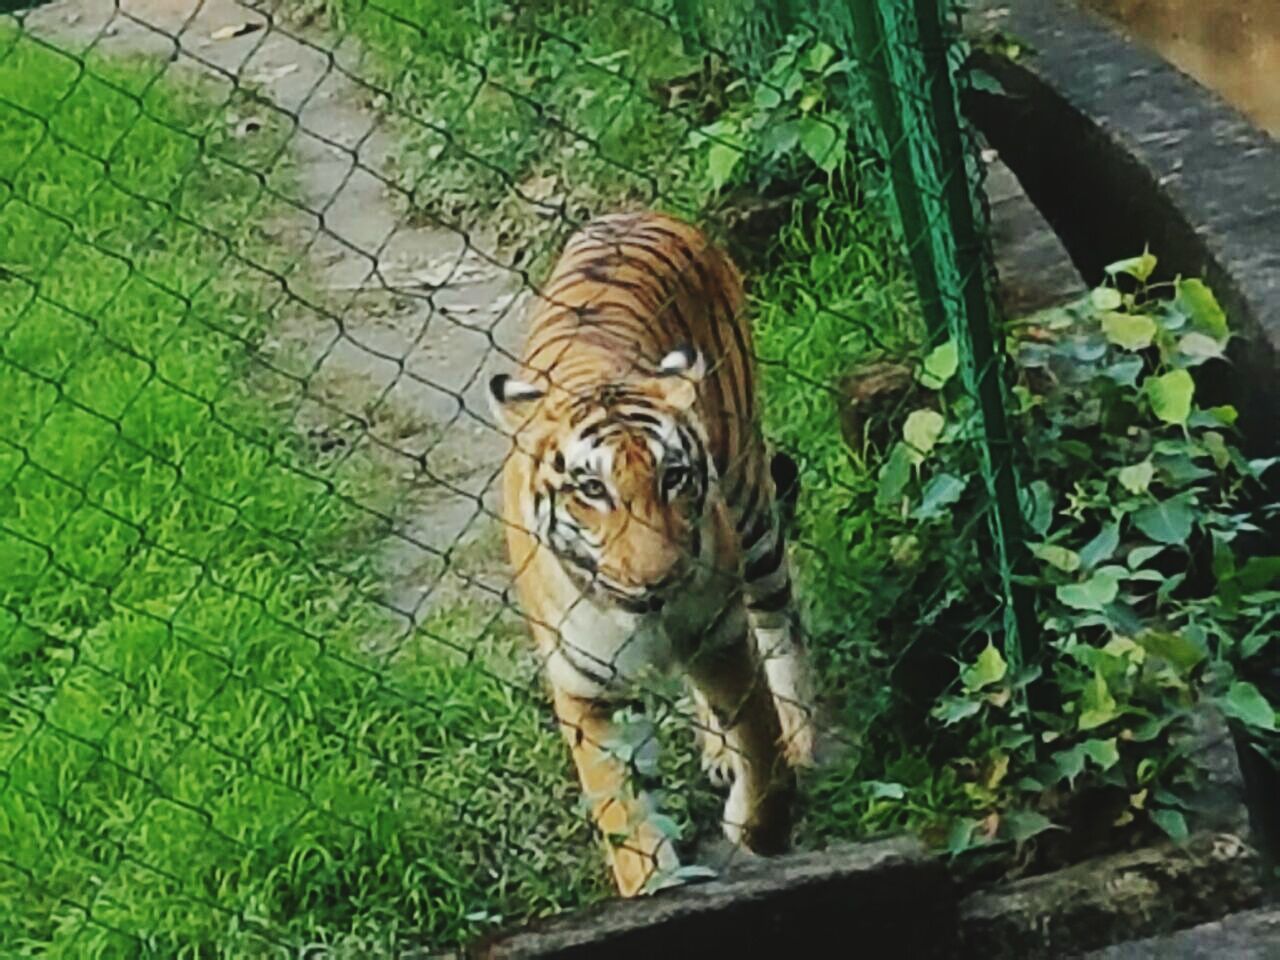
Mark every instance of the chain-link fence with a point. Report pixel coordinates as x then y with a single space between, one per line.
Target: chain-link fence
266 683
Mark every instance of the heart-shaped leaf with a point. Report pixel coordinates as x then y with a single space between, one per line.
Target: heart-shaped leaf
1022 825
989 668
1137 478
1138 267
1102 752
954 709
1176 649
1167 522
1098 706
940 492
1128 330
1172 823
1197 301
1093 594
1246 703
1100 547
1105 298
722 160
1170 395
1065 560
894 475
1038 505
1199 347
940 365
820 141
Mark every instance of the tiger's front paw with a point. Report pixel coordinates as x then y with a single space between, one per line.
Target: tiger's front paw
717 757
718 761
643 862
799 733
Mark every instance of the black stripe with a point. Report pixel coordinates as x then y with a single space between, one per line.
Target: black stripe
568 282
715 291
640 418
774 602
646 604
586 564
604 680
749 508
597 308
759 527
699 502
734 494
700 463
692 284
683 277
612 704
764 565
592 429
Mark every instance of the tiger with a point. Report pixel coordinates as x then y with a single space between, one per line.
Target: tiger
645 532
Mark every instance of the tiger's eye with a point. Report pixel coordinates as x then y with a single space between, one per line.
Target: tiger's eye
593 490
674 478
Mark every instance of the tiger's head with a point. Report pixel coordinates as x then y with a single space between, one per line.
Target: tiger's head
619 477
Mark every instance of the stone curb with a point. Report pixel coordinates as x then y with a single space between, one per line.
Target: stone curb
880 899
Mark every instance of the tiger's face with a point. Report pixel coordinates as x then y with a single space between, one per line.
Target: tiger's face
620 480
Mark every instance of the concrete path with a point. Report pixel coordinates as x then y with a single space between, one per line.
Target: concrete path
413 316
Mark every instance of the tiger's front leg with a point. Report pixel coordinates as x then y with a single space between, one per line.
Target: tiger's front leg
771 608
638 851
758 812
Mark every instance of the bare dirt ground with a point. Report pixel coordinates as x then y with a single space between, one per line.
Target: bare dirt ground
415 317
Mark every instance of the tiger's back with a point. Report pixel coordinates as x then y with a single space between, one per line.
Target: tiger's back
630 288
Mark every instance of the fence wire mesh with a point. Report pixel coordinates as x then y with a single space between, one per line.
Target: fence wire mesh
266 686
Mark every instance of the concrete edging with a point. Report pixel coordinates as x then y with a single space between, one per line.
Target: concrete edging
878 899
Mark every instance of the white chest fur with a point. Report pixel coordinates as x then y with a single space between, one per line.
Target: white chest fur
601 646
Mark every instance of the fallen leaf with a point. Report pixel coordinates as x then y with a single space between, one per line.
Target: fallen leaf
234 30
272 74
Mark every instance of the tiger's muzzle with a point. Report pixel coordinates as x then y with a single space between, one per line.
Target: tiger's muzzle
647 598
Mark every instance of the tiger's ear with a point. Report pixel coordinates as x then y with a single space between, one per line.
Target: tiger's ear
679 374
512 401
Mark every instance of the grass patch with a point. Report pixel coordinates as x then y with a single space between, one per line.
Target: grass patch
196 759
841 294
535 112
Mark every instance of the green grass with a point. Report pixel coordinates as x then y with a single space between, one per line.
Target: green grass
196 759
503 105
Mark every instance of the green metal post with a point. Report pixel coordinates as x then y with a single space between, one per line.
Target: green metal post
904 54
869 36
